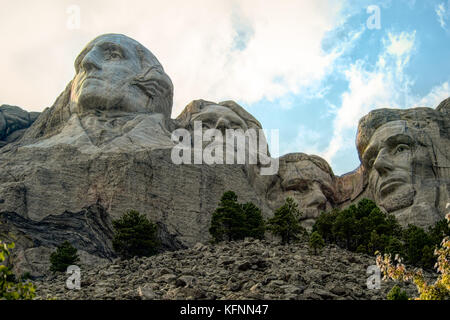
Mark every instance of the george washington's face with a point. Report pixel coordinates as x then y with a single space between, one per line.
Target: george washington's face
105 70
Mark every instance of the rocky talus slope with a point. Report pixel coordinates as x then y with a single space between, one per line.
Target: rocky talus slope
249 269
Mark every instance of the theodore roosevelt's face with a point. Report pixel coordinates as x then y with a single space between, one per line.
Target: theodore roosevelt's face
104 73
389 157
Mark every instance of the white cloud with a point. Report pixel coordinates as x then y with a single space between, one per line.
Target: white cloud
441 12
216 50
436 95
306 141
386 85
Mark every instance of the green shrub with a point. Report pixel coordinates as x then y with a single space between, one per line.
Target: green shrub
234 221
135 235
397 294
12 290
316 242
286 222
64 256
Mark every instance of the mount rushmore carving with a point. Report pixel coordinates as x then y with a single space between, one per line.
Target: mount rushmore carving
105 146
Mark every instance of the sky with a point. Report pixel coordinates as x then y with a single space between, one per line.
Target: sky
310 69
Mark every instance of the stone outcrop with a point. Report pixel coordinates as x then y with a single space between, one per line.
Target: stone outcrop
13 123
405 157
107 141
309 180
250 269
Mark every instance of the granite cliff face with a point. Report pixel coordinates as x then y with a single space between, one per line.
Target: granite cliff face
105 147
106 141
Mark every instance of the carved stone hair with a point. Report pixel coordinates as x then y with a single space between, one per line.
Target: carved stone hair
426 125
299 156
197 106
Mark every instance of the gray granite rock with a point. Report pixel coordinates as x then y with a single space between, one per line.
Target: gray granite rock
13 122
405 156
213 280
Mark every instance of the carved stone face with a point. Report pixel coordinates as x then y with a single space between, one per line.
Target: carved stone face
105 70
219 117
390 158
308 184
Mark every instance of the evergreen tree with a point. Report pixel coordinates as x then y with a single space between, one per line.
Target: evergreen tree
285 222
135 235
316 242
324 225
64 256
415 239
228 221
344 228
254 222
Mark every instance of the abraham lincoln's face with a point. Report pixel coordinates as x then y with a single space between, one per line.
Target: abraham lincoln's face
105 71
392 158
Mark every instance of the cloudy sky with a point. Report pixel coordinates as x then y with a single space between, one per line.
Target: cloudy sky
310 68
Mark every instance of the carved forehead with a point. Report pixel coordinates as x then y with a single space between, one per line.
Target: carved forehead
303 169
391 132
214 111
134 49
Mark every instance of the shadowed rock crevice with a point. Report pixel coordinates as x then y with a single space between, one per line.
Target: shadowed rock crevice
89 230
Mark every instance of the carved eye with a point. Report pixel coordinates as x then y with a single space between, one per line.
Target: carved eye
112 53
401 148
302 188
371 162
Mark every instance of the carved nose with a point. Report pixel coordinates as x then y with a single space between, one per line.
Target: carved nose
91 61
382 164
222 124
316 198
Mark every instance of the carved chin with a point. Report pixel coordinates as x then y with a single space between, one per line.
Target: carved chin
400 198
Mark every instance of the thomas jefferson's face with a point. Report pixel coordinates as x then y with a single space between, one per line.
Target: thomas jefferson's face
219 117
104 71
389 157
308 184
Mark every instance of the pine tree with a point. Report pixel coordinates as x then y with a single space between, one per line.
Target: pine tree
135 235
64 256
228 221
254 222
285 222
316 242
